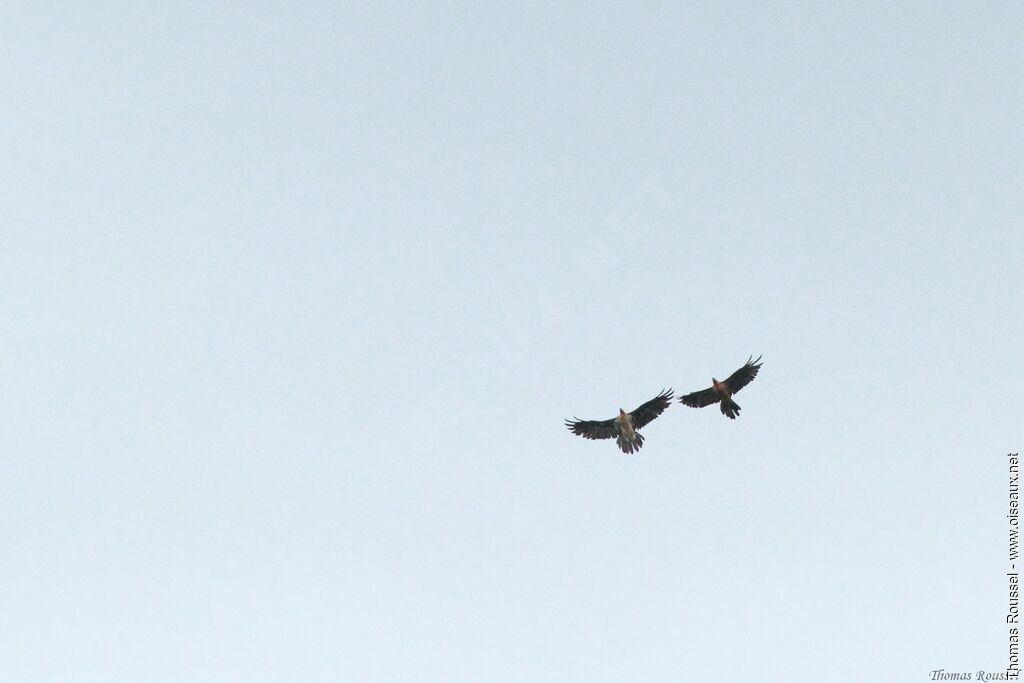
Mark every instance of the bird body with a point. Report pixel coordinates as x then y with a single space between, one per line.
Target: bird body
628 439
624 422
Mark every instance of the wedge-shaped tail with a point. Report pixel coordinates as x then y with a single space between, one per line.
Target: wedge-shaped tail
730 408
630 443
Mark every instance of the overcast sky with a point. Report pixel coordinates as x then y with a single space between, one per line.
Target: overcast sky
296 297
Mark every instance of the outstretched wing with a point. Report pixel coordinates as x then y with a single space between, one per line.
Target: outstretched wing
652 409
744 375
699 399
593 429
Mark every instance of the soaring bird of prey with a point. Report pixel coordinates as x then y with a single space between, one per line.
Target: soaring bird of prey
624 427
723 391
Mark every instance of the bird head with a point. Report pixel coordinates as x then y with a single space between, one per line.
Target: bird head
622 413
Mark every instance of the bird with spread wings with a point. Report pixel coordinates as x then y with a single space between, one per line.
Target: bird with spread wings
624 427
723 391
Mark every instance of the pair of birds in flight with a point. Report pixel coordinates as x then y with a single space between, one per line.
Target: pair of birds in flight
624 427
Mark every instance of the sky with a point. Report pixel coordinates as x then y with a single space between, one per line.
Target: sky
297 296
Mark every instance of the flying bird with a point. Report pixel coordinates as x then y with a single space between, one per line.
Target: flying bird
723 391
624 427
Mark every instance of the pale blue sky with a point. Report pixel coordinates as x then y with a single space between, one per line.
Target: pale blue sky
297 296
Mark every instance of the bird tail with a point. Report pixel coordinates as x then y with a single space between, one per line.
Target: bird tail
730 408
630 444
